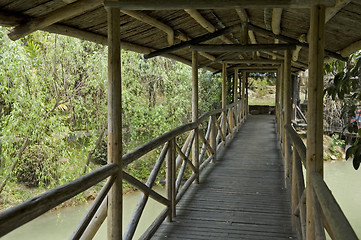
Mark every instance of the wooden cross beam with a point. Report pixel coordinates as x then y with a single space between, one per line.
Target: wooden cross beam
254 61
283 38
241 48
211 4
196 40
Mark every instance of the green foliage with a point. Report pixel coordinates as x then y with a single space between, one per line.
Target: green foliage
334 143
345 86
53 88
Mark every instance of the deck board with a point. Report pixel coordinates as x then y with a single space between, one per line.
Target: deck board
241 196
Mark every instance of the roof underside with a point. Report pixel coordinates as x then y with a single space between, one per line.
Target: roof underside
149 30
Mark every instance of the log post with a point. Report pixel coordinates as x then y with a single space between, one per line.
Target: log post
235 94
243 91
281 107
278 80
213 137
171 178
224 98
115 197
287 113
195 149
314 156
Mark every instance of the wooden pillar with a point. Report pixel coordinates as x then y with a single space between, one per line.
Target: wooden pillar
244 76
314 156
287 103
235 85
281 106
195 149
224 98
277 106
114 124
235 95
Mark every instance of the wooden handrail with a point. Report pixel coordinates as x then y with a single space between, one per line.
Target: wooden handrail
297 143
156 142
340 226
17 216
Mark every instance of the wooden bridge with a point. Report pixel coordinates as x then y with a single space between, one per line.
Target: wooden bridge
241 196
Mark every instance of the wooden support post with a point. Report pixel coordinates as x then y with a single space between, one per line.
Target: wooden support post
314 156
281 107
243 91
171 178
195 149
115 197
277 107
287 103
213 137
224 98
235 94
294 192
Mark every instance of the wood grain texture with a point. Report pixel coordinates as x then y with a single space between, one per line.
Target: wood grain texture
241 196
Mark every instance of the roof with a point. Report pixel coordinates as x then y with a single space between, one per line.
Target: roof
147 30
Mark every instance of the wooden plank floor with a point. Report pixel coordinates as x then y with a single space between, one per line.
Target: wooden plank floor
241 196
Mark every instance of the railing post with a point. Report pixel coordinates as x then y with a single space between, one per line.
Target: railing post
244 76
224 99
287 113
195 149
294 190
230 121
235 95
314 159
114 124
171 178
213 137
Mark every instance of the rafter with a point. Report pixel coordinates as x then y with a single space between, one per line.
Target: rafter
205 23
196 40
55 16
276 20
329 14
153 22
351 49
283 38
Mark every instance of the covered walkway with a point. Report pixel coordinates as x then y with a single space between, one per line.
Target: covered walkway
242 196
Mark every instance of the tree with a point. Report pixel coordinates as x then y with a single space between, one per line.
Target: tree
346 86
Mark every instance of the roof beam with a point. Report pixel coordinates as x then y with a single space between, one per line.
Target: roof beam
290 40
351 49
65 12
329 14
101 39
205 23
193 41
211 4
241 48
153 22
276 20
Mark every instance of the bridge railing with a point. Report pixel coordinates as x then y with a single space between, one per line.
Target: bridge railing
176 161
327 213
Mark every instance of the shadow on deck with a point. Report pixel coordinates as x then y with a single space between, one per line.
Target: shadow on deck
241 196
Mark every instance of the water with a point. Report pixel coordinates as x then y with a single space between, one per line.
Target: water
59 225
345 184
342 179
